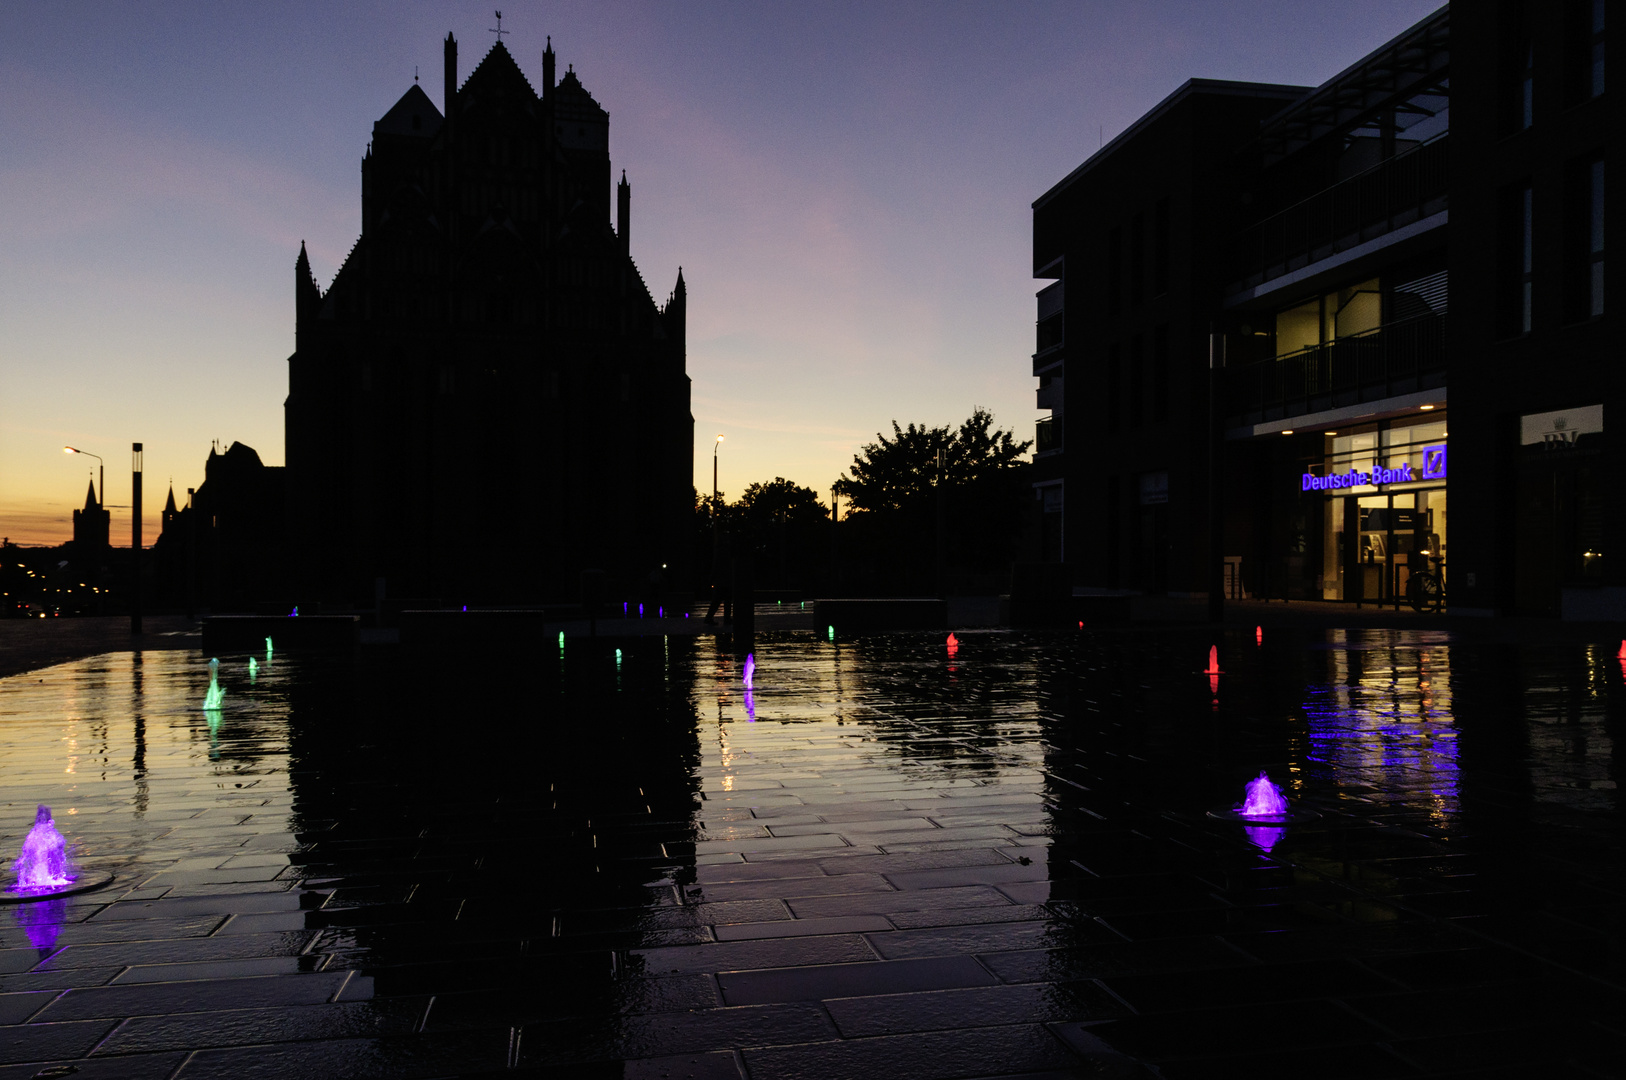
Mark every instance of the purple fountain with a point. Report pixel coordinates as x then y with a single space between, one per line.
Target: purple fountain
1264 804
43 864
43 868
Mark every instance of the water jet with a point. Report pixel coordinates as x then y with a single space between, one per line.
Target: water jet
43 867
1264 804
216 695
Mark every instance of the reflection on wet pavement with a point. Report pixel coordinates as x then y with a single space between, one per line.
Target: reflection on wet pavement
877 857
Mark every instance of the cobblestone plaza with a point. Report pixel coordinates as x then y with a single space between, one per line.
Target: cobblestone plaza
886 860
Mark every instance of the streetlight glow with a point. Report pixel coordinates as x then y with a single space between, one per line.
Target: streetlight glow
101 496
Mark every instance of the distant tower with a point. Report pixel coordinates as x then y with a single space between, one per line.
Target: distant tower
169 509
90 525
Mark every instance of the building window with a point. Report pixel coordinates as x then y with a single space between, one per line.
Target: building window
1160 373
1515 257
1597 48
1597 222
1137 259
1115 266
1526 242
1583 240
1346 313
1592 210
1586 49
1114 396
1160 249
1137 392
1526 105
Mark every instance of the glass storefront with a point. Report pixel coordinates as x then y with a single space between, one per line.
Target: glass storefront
1384 511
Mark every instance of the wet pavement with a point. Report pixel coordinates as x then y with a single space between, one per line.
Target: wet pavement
884 861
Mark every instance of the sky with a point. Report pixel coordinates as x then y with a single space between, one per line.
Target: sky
846 186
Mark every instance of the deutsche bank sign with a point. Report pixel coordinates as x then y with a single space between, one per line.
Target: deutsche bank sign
1434 468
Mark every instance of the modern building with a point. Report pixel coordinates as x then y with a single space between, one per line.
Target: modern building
1247 350
487 401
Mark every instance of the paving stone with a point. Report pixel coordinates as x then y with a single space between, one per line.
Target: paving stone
962 940
403 1056
242 1027
130 1067
840 924
49 1041
939 1010
718 1065
1013 1048
16 1008
762 953
181 951
790 888
148 999
882 903
849 980
673 1033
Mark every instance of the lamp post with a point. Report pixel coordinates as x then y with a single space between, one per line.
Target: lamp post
135 538
1216 444
101 468
716 497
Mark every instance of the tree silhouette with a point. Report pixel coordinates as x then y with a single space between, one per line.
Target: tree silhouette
894 487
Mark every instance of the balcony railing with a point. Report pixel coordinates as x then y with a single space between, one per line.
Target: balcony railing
1046 435
1386 197
1397 358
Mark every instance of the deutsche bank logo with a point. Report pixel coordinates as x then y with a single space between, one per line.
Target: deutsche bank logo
1434 462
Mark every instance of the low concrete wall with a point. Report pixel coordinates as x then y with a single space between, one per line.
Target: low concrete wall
516 626
882 613
247 633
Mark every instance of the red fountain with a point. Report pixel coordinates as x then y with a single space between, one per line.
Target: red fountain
953 645
1213 672
1259 635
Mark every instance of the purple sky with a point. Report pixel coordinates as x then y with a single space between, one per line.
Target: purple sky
846 186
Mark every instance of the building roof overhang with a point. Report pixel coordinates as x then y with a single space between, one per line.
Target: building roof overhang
1418 55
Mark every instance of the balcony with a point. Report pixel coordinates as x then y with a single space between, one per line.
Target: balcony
1397 358
1388 196
1046 436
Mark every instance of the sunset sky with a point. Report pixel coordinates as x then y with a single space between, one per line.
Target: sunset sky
846 186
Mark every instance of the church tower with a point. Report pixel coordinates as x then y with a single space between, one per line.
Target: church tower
91 526
489 333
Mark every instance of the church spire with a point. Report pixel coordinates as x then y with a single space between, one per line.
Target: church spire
306 293
547 68
90 497
623 215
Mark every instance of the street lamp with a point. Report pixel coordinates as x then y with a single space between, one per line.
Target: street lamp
715 495
101 497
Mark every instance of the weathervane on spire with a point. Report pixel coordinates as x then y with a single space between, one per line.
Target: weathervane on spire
500 31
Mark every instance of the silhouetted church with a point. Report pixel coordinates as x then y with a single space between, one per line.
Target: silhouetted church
487 401
91 526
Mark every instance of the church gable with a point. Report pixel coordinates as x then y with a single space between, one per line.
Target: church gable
414 116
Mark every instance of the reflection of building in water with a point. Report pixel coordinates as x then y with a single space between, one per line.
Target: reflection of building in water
1384 721
1571 753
